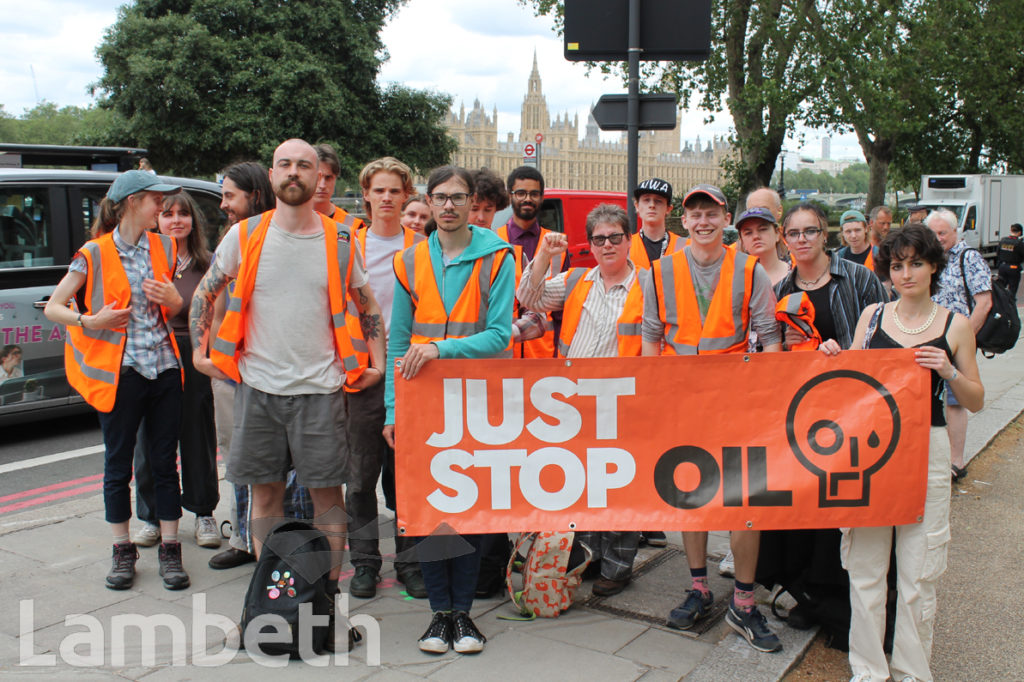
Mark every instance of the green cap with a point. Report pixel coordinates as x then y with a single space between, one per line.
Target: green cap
138 181
852 216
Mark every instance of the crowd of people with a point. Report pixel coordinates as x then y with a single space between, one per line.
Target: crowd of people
285 370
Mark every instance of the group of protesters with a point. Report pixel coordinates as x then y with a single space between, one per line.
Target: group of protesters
288 339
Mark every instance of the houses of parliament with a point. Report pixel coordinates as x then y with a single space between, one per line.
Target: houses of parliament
569 162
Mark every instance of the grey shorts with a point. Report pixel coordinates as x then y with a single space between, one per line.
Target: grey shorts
274 433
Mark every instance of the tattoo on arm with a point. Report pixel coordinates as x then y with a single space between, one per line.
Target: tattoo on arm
201 312
363 299
371 325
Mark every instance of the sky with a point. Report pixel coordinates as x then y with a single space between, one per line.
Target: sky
470 49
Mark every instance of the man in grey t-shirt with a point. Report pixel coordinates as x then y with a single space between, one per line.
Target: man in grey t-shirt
705 217
292 356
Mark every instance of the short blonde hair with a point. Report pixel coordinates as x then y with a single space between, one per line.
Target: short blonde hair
388 164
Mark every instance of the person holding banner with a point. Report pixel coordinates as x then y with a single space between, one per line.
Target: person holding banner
945 345
602 309
692 301
453 299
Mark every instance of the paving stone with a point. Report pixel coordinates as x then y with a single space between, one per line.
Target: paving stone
665 650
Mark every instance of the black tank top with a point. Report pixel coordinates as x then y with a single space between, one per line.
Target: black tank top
880 339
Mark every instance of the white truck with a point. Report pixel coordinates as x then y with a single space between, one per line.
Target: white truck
985 205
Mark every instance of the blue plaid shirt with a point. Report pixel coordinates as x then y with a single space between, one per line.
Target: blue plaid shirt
148 348
952 295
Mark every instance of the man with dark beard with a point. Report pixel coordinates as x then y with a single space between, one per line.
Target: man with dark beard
285 341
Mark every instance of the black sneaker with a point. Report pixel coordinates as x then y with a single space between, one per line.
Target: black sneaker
364 582
122 568
693 608
466 639
171 569
438 636
753 627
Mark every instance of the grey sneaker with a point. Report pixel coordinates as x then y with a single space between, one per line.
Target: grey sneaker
171 568
147 536
207 533
753 627
122 568
693 608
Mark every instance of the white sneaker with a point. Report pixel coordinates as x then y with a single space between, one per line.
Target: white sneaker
207 533
727 566
147 536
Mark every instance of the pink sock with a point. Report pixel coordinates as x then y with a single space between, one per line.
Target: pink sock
701 584
744 599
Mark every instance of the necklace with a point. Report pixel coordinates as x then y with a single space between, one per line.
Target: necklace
811 283
916 330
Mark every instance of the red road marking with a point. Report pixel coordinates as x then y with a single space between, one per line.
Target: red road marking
49 488
50 498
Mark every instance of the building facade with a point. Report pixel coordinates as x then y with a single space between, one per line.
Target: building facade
571 162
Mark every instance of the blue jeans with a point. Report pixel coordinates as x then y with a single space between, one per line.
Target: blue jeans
159 402
451 581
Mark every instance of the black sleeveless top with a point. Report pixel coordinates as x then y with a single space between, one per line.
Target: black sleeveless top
880 339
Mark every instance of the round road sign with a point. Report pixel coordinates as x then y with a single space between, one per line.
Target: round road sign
539 138
529 150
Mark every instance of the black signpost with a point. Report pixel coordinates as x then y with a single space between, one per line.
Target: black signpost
631 30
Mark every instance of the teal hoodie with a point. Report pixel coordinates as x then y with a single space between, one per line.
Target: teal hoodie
451 280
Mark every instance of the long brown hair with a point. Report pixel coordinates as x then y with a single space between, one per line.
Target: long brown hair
196 240
108 217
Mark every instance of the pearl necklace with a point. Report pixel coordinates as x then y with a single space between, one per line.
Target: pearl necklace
916 330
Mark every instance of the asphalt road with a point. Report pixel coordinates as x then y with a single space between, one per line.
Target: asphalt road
45 462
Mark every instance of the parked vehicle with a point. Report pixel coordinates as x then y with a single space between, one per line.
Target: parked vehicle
45 215
565 210
984 205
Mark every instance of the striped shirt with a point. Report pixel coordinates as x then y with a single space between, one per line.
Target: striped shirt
596 335
147 348
851 289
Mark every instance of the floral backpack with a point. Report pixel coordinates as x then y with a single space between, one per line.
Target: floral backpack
548 583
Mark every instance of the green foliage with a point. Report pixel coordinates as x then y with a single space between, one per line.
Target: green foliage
202 83
852 180
45 123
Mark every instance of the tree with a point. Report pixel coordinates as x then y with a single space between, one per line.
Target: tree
763 62
202 83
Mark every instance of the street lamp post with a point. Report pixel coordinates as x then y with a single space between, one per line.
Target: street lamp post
782 177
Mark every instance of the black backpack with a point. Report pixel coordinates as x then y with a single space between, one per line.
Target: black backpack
292 569
1002 326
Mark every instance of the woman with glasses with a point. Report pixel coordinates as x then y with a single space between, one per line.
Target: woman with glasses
806 562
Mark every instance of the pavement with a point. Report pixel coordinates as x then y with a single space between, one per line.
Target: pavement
64 624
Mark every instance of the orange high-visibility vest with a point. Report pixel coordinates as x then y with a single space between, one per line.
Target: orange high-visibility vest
577 288
797 311
92 357
544 346
869 262
727 323
430 321
355 329
252 232
638 253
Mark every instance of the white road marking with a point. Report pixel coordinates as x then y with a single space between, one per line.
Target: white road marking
50 459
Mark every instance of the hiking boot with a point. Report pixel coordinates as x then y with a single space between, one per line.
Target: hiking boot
354 636
230 558
122 568
466 638
606 587
753 627
207 533
438 636
693 608
412 578
171 569
147 536
364 582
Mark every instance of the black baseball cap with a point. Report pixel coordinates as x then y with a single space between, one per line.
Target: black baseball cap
654 186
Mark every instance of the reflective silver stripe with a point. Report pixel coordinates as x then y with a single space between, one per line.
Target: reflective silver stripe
682 348
504 354
338 319
719 343
409 260
108 335
351 308
562 348
359 345
168 252
571 280
486 264
348 222
668 295
96 304
349 363
251 224
793 303
93 372
225 347
463 329
431 330
739 282
629 329
235 303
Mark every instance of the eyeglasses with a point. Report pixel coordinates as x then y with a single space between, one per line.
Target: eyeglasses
615 239
458 199
522 194
809 234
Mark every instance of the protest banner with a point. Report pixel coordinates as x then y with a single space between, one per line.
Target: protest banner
725 442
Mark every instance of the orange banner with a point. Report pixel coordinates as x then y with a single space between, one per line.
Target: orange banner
726 442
